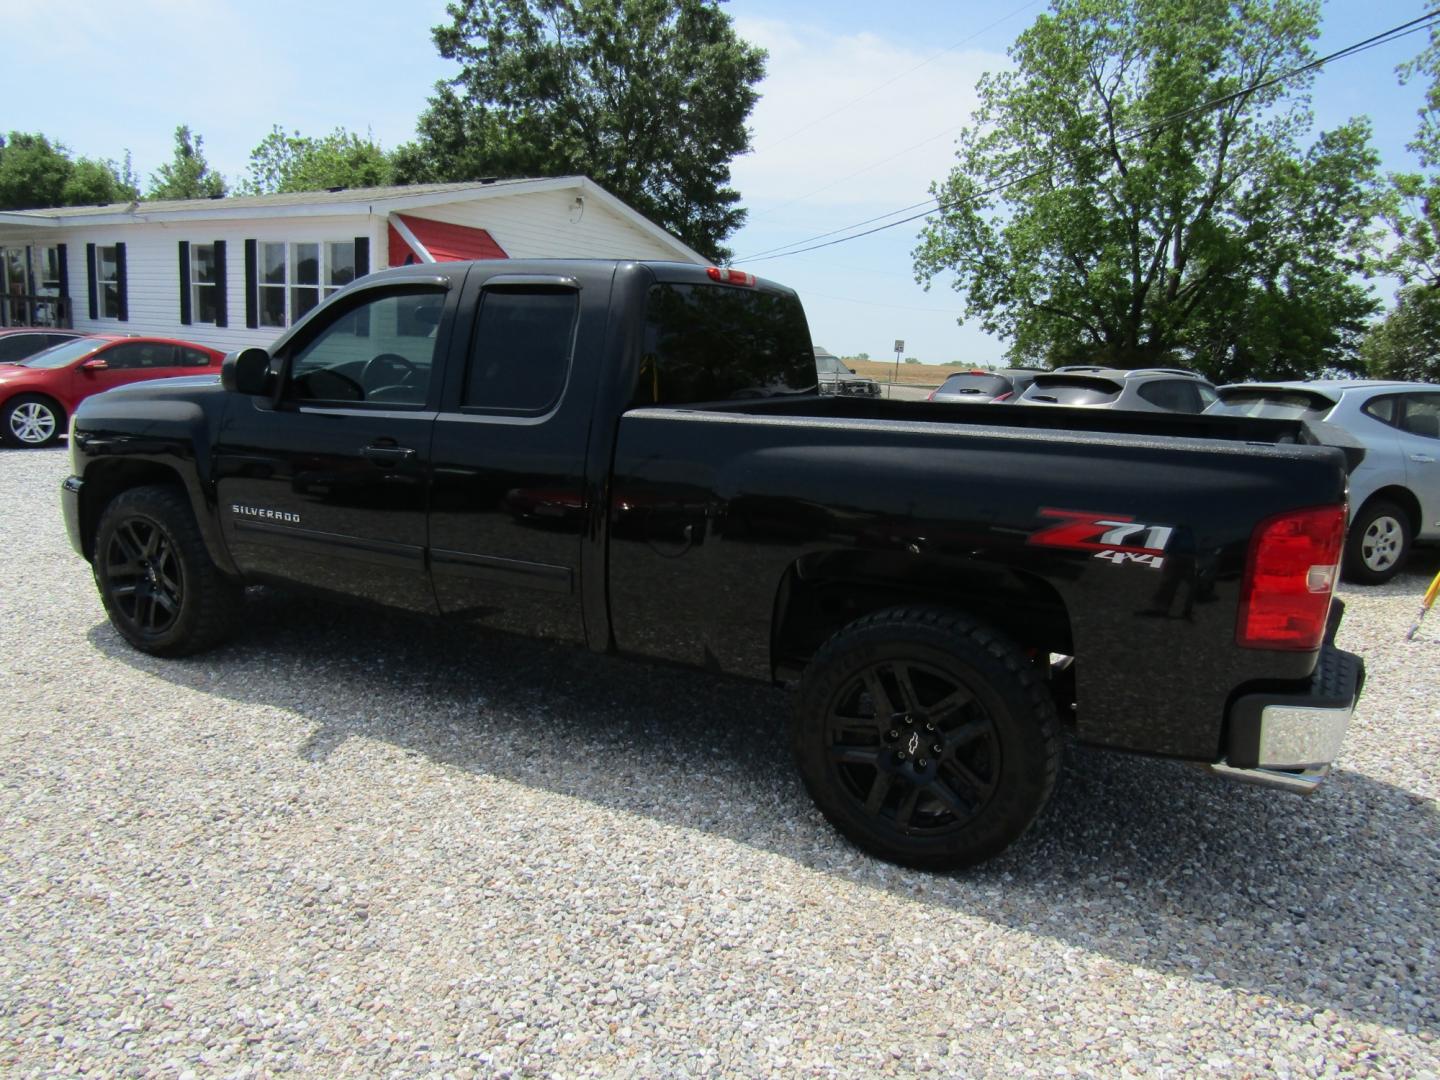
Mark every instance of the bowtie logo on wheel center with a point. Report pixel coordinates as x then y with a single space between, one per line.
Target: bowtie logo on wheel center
914 739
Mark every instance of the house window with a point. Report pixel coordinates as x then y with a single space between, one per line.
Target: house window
107 280
50 271
204 283
295 277
339 266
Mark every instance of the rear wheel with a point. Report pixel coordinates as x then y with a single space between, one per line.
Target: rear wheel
926 737
160 588
1378 543
32 420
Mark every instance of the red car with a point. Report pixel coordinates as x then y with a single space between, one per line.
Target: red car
38 394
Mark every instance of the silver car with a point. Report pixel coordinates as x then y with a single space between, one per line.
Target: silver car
1141 389
981 386
1395 491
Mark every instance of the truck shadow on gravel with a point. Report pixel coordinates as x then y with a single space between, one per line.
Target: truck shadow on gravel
1330 903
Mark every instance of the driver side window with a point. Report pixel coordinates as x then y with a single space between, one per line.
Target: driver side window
382 351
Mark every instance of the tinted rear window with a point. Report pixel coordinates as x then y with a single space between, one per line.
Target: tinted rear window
989 385
1073 391
718 342
1272 404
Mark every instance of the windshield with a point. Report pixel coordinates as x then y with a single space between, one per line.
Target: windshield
60 355
1272 404
830 365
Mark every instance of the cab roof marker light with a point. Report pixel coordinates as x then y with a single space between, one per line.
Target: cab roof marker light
730 277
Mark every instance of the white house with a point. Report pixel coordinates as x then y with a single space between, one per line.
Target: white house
229 272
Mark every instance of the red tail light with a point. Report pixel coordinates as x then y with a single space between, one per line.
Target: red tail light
730 277
1002 397
931 396
1289 576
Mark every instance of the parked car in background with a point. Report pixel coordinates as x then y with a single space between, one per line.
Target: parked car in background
978 385
21 342
37 395
836 378
1395 491
1140 390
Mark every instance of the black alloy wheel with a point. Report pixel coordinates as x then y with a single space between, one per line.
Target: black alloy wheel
914 746
926 737
144 575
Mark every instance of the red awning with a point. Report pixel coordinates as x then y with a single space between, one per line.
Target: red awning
441 241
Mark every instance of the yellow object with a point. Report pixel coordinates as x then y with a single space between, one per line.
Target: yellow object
1425 605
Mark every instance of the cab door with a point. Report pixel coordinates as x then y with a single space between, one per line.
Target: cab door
509 505
325 485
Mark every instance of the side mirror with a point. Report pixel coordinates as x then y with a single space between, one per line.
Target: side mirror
247 371
851 370
94 365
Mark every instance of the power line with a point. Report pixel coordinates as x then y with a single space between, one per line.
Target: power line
1395 33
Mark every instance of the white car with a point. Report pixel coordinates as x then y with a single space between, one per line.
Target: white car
1395 491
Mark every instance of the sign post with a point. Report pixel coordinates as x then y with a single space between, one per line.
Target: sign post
899 348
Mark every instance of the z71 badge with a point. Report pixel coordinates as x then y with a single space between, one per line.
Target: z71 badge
1117 538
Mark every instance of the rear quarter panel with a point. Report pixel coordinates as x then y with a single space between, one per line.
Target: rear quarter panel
1155 646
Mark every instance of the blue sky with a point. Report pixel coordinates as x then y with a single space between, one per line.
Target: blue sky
860 111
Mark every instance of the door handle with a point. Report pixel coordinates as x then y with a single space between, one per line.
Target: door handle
387 455
1426 458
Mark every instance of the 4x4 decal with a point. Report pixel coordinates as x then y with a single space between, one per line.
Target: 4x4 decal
1080 530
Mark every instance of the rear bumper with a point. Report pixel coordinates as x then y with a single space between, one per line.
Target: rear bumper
1289 740
70 508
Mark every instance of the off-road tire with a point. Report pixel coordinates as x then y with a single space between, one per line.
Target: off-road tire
994 725
161 589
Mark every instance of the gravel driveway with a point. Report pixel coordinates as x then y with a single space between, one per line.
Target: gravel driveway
351 843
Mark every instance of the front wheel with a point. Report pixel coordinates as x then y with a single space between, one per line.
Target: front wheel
1378 543
926 737
160 588
31 420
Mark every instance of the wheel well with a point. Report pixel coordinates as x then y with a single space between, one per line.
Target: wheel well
1404 498
820 594
104 481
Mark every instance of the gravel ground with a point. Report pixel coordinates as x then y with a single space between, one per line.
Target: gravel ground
355 844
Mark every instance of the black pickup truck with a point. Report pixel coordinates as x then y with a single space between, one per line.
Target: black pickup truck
633 457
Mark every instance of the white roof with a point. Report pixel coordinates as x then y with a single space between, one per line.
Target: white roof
343 201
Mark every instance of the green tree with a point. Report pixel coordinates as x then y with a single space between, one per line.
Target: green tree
1104 209
35 172
1414 209
187 175
649 98
1406 344
295 162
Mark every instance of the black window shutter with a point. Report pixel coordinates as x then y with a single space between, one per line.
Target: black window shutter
90 276
362 256
122 282
184 246
64 270
252 285
221 309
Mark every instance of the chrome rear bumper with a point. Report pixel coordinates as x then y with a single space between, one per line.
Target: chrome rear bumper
1288 741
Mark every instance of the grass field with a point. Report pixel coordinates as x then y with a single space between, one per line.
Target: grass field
909 375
